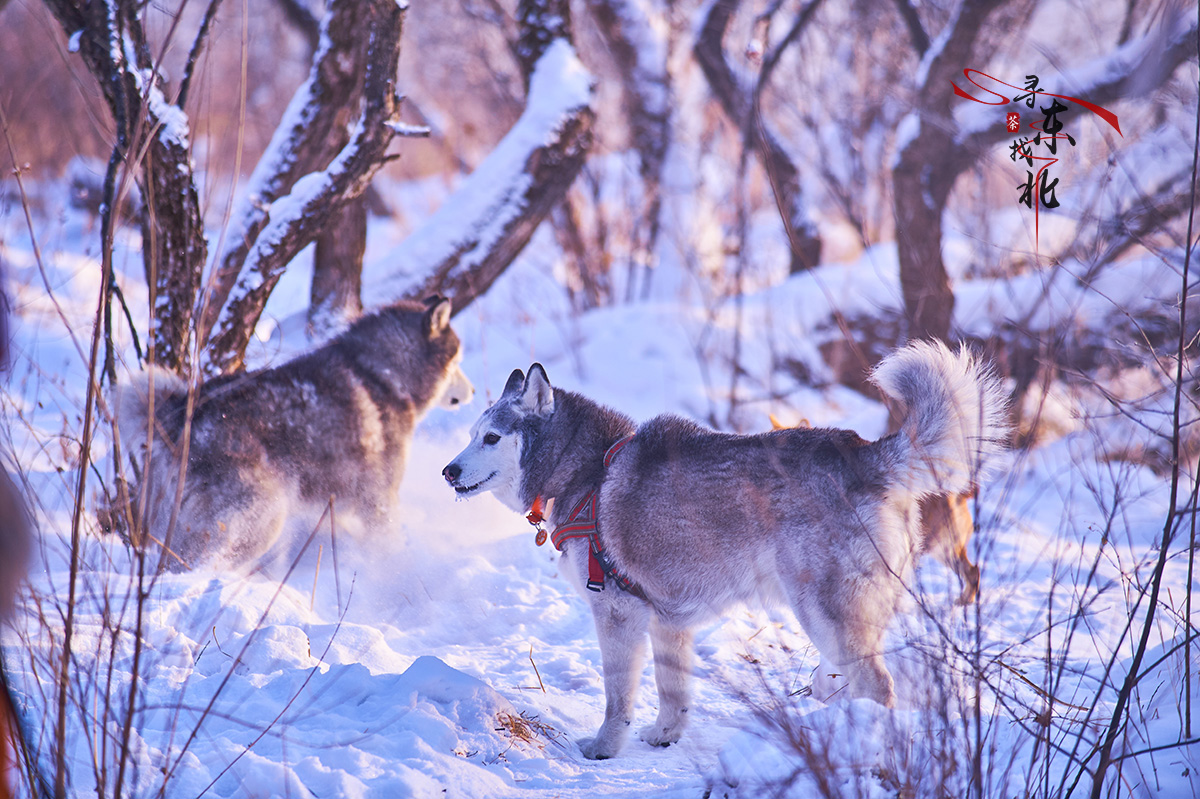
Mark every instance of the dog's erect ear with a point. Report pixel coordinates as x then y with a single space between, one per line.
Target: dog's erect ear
537 397
515 382
437 317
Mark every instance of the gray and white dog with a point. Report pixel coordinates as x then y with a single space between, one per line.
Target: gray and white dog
684 521
266 446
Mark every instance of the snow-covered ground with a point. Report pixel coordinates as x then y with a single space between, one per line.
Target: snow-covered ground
445 657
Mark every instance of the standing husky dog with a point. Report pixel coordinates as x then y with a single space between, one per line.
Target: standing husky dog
682 522
263 446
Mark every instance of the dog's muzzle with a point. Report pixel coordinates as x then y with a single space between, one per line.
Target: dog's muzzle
453 473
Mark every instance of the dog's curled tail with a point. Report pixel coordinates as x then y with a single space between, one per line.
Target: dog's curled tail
133 402
955 417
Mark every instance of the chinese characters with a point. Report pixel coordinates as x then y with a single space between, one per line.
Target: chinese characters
1037 155
1049 133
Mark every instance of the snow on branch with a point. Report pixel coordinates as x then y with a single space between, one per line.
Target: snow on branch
482 226
297 215
152 141
309 136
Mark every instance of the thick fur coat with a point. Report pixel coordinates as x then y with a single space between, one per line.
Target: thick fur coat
263 447
699 520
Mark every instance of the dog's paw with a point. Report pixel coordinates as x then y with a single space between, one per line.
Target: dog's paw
598 749
660 734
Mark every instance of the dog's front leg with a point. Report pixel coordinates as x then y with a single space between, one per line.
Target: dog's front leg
672 647
621 628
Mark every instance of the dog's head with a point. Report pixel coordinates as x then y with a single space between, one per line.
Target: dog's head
492 461
454 389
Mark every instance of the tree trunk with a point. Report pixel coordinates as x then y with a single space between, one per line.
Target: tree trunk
919 193
739 105
313 131
641 58
925 171
152 139
295 219
336 298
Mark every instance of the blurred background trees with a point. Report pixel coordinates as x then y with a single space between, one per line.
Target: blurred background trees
744 141
693 154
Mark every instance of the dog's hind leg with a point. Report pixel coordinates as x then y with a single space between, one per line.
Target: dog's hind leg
947 525
849 636
672 648
621 628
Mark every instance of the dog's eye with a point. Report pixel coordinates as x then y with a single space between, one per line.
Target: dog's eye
491 438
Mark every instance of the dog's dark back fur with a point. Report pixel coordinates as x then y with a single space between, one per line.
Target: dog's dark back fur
335 422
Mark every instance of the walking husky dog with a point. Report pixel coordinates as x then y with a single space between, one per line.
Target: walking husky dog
263 446
946 524
670 523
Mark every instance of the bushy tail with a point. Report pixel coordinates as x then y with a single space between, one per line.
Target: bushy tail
955 417
133 403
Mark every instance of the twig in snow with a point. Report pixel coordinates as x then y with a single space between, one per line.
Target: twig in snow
535 670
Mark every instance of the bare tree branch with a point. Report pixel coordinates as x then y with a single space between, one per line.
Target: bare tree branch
772 58
1120 715
194 55
313 131
486 223
294 220
1134 223
912 21
738 103
153 141
629 31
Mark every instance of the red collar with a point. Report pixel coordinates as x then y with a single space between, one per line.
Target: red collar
581 523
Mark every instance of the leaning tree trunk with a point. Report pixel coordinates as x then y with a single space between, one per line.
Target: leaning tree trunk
304 180
740 104
152 144
488 220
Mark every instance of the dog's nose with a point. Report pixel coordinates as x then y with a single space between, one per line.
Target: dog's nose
452 472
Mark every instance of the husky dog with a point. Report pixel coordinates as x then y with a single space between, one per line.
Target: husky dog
263 446
681 522
947 524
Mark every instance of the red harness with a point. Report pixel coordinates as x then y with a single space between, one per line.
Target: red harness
582 524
